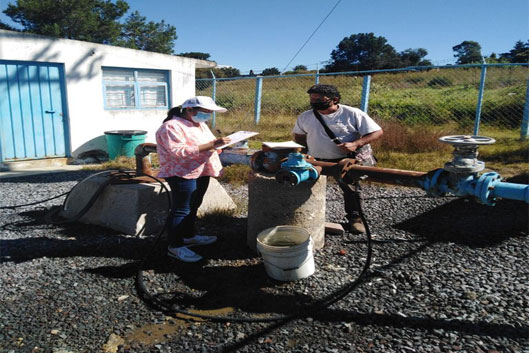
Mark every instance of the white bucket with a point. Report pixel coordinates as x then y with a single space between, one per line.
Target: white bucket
287 252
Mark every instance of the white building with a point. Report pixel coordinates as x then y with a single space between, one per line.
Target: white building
59 96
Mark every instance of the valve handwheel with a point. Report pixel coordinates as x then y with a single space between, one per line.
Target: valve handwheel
467 140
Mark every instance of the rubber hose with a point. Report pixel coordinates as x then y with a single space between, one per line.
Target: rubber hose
334 297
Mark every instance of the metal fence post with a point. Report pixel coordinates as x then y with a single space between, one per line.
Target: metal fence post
524 125
317 76
366 93
257 99
479 102
214 91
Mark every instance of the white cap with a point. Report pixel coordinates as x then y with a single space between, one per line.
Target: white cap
203 102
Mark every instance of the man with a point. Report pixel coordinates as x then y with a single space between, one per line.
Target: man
353 129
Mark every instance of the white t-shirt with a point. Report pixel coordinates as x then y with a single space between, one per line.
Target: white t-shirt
347 123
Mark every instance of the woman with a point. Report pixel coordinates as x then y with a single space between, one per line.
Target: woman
188 158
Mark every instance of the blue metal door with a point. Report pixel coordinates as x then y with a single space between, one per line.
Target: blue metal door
32 110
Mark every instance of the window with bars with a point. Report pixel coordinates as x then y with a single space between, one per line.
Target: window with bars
135 89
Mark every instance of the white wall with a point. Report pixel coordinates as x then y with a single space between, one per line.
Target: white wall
84 90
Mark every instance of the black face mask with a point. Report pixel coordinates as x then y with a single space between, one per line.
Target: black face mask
320 105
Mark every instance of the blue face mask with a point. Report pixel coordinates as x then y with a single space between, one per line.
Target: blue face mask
201 117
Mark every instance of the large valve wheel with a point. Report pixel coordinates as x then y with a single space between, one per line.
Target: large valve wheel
467 140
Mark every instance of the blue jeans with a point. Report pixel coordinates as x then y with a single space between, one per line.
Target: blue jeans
187 197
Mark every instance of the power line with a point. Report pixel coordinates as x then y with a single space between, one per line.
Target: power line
311 36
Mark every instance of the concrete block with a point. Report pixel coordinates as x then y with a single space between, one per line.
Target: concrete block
216 198
135 209
334 228
272 204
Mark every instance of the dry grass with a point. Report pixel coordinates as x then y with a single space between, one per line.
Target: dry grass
236 174
120 163
400 138
402 147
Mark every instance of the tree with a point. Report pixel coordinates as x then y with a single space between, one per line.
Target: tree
468 52
88 20
519 53
230 71
414 57
363 51
94 21
300 68
6 26
150 36
221 72
196 55
270 71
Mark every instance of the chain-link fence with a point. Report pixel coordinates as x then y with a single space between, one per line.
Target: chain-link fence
465 96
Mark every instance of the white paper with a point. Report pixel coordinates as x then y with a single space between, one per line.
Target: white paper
237 137
281 145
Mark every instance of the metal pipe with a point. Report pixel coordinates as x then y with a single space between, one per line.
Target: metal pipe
143 162
480 96
486 188
366 93
524 124
352 172
510 191
257 99
214 92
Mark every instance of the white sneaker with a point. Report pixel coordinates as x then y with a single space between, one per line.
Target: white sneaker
183 254
200 240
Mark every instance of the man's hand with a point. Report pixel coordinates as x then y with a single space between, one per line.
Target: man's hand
349 146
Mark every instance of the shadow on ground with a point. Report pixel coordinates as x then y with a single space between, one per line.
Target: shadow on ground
469 223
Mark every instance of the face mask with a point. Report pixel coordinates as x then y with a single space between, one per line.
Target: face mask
201 117
320 105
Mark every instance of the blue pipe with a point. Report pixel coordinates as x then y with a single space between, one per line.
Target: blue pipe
478 110
511 191
524 124
366 93
486 188
257 100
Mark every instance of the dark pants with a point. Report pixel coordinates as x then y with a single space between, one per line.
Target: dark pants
351 199
187 197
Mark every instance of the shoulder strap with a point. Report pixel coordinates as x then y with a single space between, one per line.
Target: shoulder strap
326 128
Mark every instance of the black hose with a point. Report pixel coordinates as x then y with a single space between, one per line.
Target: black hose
113 173
34 203
153 302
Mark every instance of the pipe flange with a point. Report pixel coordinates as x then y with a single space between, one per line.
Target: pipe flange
484 187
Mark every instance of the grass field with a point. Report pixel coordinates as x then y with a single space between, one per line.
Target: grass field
414 109
401 147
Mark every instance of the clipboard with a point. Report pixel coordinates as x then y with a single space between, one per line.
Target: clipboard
237 137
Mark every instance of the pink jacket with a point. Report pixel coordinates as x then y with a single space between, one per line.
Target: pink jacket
178 143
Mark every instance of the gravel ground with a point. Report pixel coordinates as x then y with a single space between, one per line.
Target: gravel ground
447 275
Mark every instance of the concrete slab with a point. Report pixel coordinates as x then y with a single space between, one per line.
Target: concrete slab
135 209
34 164
39 170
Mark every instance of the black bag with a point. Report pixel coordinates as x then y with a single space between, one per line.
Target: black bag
331 135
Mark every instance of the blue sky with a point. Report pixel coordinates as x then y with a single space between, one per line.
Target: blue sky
252 34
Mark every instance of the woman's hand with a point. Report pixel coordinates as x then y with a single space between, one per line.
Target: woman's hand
214 144
221 141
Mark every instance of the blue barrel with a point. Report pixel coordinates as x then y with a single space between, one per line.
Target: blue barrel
123 142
